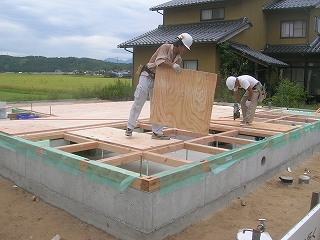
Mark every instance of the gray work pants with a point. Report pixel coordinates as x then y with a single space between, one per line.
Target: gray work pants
143 90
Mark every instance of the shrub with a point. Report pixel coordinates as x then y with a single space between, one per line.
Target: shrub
288 94
119 90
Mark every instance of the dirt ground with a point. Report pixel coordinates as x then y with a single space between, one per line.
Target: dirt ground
25 216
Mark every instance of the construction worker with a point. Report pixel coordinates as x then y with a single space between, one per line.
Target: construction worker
249 100
169 56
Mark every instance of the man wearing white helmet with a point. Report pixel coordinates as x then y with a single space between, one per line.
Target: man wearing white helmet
169 56
249 100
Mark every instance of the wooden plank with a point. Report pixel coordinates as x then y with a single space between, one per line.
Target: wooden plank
233 140
243 131
267 115
146 183
183 100
169 148
74 138
42 136
257 125
231 133
114 148
165 160
116 137
202 140
189 133
256 132
204 148
121 159
78 147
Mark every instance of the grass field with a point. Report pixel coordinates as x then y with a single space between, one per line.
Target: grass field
27 87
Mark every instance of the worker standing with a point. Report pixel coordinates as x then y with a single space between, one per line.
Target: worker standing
249 100
169 56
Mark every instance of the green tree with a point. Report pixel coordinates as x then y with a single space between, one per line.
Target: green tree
231 65
288 94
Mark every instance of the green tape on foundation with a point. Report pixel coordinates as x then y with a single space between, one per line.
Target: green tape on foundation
316 125
308 128
277 141
224 160
117 178
180 177
66 162
295 134
19 145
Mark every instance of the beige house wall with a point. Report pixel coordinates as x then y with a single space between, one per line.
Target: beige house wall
193 14
274 27
255 38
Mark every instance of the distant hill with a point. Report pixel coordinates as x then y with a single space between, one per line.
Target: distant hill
116 60
63 64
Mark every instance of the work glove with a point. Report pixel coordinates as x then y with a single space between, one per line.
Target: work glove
176 68
248 102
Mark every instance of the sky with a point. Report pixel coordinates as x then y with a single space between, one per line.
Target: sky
74 28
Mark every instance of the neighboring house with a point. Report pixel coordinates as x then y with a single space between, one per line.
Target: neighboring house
281 36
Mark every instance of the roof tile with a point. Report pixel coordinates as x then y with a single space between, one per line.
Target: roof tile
180 3
256 56
204 32
312 48
291 4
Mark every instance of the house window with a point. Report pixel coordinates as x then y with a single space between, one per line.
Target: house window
295 73
190 64
293 29
212 14
317 25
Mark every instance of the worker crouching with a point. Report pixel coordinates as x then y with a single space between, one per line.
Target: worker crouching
250 99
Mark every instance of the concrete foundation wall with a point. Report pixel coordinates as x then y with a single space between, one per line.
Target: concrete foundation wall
94 195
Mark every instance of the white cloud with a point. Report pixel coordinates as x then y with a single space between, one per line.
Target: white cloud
78 28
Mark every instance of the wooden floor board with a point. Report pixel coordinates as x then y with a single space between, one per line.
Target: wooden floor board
138 141
100 122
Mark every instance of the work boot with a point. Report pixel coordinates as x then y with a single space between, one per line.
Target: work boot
159 136
129 132
244 123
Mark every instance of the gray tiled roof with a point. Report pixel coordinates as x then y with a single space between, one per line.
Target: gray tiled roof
312 48
273 5
180 3
291 4
205 32
315 45
255 56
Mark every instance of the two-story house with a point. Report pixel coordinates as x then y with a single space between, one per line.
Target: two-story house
280 36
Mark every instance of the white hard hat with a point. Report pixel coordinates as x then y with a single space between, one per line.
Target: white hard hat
230 82
186 39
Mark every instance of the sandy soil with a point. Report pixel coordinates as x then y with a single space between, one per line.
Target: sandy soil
25 216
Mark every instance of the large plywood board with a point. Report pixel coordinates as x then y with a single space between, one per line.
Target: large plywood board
183 100
138 141
256 125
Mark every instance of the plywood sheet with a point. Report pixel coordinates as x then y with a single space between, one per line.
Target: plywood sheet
256 125
138 141
183 100
71 115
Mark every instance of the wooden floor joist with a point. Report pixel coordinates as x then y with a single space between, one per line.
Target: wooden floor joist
78 147
121 159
